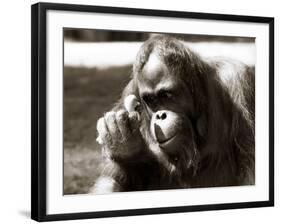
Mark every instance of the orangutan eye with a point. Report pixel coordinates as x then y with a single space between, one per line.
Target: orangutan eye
149 99
165 95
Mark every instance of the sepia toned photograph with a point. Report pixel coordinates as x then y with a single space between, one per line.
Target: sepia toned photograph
141 112
157 111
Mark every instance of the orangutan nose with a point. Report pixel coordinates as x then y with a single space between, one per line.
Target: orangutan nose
164 125
160 115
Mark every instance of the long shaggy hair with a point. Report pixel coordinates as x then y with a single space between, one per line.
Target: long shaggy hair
219 148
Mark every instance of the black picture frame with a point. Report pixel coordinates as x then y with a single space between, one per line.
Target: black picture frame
39 118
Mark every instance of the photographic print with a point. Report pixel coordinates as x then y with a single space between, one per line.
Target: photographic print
146 111
139 111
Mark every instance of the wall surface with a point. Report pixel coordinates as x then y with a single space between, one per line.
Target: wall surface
15 110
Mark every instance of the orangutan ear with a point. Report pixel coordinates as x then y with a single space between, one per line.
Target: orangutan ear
202 126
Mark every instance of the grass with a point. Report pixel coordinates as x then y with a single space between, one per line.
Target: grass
88 94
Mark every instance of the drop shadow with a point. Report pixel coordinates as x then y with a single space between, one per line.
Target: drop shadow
24 213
